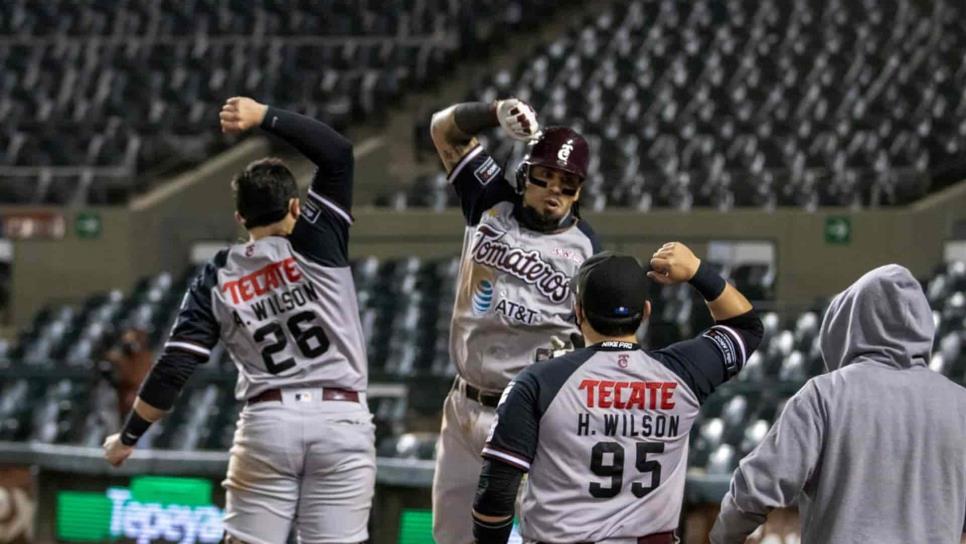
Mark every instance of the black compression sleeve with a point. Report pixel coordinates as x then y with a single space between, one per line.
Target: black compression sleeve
167 378
485 532
495 496
474 117
325 147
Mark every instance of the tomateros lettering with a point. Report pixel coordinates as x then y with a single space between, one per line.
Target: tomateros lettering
522 264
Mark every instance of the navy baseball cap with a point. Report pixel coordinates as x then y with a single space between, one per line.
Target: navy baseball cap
612 287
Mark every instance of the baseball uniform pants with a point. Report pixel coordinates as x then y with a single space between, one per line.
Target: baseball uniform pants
305 461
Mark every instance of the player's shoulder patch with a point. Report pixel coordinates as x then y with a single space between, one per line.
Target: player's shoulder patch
726 345
310 210
487 171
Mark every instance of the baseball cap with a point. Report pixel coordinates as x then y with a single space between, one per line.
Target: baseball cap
611 286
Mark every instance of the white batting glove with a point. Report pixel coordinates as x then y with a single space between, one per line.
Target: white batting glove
517 118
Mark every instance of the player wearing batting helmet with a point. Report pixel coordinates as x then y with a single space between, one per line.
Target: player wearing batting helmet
523 240
603 431
283 305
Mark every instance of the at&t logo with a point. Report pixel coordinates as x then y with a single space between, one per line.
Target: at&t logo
483 297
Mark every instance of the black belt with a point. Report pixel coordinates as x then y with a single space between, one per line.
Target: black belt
328 393
489 400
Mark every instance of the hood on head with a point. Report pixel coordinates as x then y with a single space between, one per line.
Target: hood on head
884 317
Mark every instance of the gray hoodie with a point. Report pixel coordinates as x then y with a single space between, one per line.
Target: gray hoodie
874 451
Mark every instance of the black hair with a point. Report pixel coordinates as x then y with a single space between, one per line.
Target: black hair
263 191
609 326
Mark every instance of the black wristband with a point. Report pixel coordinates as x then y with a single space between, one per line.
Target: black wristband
492 533
134 428
708 282
473 117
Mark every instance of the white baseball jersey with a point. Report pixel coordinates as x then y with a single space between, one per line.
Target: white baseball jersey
285 307
513 291
603 433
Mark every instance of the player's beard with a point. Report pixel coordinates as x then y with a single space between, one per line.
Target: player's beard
543 222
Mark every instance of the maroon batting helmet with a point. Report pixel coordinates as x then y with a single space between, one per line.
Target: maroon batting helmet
557 147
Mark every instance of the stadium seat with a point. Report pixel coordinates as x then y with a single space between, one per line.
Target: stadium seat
753 111
139 108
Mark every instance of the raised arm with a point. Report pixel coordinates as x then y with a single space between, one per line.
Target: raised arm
476 177
325 147
454 129
720 352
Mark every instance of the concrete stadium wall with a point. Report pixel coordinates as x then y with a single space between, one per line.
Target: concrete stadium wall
156 232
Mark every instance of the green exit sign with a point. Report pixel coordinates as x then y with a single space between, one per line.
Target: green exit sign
88 225
838 230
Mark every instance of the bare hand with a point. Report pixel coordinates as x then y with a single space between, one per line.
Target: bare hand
240 114
517 118
673 263
116 452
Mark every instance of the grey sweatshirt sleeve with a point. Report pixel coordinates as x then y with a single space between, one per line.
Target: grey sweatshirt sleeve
774 474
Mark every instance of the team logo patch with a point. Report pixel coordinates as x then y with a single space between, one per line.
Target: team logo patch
483 297
487 172
310 211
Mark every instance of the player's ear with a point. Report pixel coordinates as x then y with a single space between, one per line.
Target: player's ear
294 207
578 314
239 219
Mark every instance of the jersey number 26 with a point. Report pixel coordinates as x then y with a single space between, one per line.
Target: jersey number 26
310 339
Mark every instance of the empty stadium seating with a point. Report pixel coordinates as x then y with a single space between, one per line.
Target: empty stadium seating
748 103
49 394
98 98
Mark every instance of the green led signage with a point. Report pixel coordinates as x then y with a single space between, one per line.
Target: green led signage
152 509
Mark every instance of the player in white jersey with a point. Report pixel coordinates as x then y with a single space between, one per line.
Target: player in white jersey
521 245
284 305
603 431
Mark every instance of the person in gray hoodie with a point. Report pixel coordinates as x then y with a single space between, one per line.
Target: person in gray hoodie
874 451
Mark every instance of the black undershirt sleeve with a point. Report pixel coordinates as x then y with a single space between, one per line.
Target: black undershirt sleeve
325 147
480 184
716 356
195 332
321 232
168 377
495 496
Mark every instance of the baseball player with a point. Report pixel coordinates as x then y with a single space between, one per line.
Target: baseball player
521 245
284 305
875 449
603 430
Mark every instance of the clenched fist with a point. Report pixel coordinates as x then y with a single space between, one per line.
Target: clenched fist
240 114
115 451
517 118
673 263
